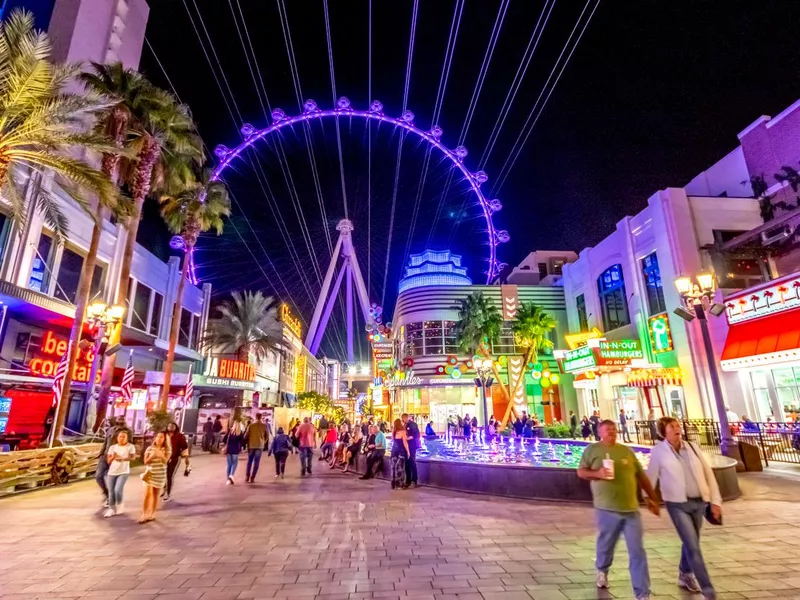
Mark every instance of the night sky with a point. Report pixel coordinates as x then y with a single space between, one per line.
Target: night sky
654 93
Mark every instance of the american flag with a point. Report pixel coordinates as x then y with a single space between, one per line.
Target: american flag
127 380
58 380
188 391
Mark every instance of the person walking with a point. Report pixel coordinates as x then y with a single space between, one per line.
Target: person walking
118 457
307 439
280 448
208 435
179 450
217 429
595 421
614 472
233 441
623 426
586 428
412 435
111 430
687 486
573 424
400 453
256 438
155 477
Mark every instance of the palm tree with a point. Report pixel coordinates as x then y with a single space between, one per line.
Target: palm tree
247 325
478 327
197 209
41 123
45 127
128 94
166 148
532 329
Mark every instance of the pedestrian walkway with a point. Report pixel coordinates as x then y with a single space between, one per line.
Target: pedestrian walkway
334 537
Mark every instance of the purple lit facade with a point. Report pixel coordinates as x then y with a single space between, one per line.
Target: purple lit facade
375 113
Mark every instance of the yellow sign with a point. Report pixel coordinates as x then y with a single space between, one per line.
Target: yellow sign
576 340
300 375
293 323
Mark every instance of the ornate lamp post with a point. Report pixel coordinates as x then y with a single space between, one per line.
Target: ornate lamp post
101 319
483 368
697 295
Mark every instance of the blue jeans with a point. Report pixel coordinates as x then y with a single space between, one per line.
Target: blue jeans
101 474
610 525
305 459
115 483
688 518
233 462
253 460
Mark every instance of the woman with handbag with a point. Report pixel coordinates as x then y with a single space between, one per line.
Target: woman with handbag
155 475
690 492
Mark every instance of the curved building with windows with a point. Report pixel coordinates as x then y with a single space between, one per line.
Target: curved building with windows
438 382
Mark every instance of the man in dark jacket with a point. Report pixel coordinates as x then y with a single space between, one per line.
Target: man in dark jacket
217 433
412 432
573 424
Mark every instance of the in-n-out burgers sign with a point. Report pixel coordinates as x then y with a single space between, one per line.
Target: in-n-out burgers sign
231 373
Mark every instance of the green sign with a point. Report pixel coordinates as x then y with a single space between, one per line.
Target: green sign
621 349
580 358
660 336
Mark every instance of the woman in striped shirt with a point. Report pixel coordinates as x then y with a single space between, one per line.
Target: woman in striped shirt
155 478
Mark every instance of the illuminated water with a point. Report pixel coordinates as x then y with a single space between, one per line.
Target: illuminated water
520 451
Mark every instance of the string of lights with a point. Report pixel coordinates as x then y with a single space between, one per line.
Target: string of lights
531 121
519 76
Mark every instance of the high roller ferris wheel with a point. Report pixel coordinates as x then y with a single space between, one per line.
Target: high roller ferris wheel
344 109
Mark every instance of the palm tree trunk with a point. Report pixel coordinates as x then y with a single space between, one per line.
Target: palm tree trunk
147 160
510 406
173 332
81 301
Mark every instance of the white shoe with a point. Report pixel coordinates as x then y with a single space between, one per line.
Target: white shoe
688 582
105 502
229 481
643 597
109 513
601 579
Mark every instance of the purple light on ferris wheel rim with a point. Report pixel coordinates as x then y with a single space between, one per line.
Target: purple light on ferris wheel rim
375 112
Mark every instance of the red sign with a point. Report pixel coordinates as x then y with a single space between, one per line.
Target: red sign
53 349
234 369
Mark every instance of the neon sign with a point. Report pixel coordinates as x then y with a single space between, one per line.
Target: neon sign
56 348
293 323
660 336
619 350
576 340
234 369
575 360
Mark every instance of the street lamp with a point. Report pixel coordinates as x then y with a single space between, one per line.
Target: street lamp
483 367
697 296
100 317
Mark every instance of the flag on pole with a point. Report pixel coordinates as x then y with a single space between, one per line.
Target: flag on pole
127 380
189 389
61 374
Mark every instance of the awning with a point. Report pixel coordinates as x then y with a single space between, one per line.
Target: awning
769 340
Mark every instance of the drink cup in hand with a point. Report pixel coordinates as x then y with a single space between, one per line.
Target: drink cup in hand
608 467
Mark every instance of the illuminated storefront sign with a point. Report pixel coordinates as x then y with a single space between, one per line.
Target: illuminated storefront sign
210 381
660 335
293 323
300 375
600 353
234 369
655 377
53 348
780 295
225 372
575 360
576 340
618 352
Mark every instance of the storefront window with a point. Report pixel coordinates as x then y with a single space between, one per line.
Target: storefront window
141 306
580 306
40 271
787 386
186 328
613 303
652 284
434 340
69 276
414 341
450 337
155 317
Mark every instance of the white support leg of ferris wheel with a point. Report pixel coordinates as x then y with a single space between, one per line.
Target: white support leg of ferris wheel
352 272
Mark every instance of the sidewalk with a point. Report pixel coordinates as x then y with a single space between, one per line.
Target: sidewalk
334 537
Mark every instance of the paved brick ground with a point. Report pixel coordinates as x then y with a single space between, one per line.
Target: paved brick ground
336 538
